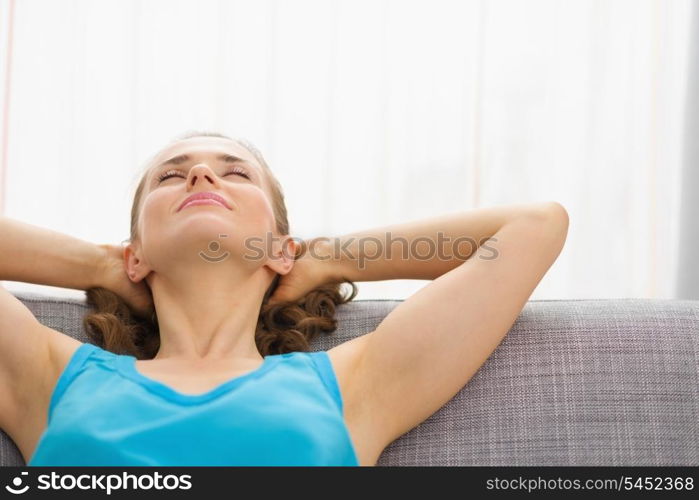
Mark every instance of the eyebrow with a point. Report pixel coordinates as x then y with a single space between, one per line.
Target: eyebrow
177 160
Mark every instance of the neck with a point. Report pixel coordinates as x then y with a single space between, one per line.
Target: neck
209 312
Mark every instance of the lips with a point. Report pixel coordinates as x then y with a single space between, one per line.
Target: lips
206 195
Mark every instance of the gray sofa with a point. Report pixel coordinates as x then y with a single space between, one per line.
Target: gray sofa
608 382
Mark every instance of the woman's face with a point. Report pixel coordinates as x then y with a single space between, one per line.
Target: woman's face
206 231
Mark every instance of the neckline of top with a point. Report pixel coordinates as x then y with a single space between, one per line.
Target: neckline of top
126 365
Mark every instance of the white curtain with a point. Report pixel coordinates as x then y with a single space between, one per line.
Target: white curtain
688 270
370 112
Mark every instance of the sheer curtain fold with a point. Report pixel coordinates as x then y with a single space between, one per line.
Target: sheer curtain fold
370 112
687 268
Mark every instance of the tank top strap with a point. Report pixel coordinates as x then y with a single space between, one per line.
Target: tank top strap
75 365
323 365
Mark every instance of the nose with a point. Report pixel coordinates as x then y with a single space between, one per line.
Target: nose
201 173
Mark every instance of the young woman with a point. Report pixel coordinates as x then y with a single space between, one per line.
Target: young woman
201 323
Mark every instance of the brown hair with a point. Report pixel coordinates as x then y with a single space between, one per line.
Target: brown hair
282 327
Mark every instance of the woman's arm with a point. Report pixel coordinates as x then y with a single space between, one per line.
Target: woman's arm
422 249
32 354
36 255
430 345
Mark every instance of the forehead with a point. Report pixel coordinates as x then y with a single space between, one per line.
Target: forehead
203 146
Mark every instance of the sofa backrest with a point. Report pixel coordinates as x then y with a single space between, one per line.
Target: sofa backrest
607 382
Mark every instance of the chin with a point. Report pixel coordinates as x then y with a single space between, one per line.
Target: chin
205 222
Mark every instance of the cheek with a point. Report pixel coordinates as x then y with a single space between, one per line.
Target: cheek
153 213
255 203
263 207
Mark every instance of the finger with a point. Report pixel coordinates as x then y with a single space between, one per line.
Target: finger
277 297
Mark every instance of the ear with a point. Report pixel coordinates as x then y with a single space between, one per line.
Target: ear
283 255
136 268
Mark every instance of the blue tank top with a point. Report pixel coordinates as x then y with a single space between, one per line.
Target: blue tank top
104 412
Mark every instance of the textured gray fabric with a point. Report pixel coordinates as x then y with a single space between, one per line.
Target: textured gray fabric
574 382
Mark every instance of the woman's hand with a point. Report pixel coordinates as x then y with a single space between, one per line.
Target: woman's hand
113 277
313 267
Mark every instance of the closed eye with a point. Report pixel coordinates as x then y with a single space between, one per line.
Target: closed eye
178 173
